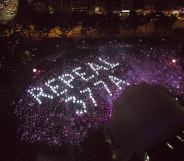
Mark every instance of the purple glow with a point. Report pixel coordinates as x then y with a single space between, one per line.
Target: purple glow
55 122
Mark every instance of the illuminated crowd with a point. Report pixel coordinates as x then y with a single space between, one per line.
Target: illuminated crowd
62 106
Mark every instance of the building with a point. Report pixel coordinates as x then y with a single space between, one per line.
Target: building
80 5
87 5
164 4
125 4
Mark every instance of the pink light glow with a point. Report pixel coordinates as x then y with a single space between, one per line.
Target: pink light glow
34 70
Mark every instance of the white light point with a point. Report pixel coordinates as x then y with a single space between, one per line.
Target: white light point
146 157
34 70
180 138
88 90
105 86
96 68
74 100
39 94
109 64
117 81
82 75
54 88
173 61
170 146
128 84
67 82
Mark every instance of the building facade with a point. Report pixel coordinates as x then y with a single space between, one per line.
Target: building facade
86 5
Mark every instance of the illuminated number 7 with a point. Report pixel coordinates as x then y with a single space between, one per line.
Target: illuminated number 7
88 90
105 86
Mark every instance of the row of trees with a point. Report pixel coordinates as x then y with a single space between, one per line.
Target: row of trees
108 24
103 24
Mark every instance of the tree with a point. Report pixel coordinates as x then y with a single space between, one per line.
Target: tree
2 29
23 12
